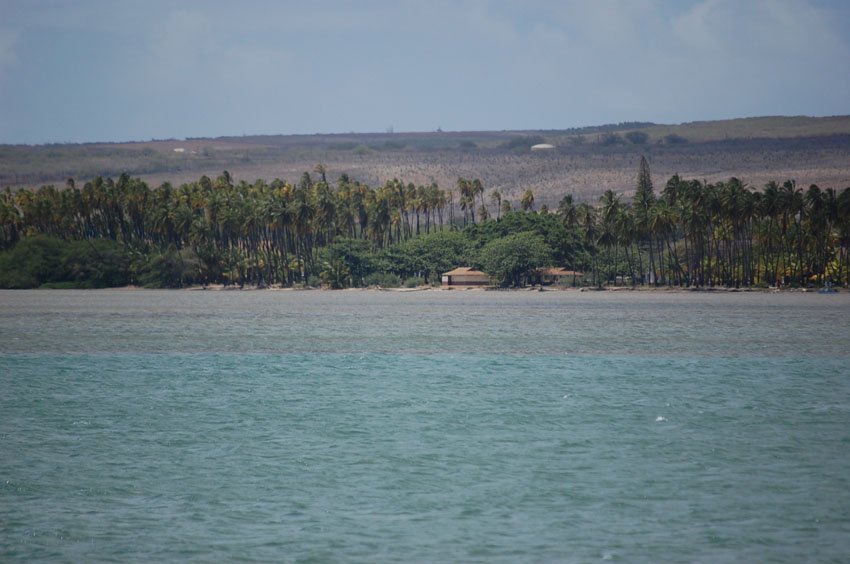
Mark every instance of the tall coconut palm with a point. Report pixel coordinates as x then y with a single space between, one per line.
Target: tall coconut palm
527 201
586 216
496 200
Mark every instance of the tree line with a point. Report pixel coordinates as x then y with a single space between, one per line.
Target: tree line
346 233
696 233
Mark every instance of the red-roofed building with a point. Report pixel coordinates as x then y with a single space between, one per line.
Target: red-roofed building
464 276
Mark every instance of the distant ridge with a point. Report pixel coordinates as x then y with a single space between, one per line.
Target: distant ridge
699 131
585 160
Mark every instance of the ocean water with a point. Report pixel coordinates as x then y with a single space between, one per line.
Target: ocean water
424 426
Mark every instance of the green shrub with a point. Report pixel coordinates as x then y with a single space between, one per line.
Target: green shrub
414 282
674 139
41 261
383 279
169 269
61 286
522 142
610 139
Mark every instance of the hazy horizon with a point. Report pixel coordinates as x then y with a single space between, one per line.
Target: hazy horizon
400 132
97 71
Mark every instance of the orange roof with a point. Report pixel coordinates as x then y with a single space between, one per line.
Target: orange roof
464 270
558 272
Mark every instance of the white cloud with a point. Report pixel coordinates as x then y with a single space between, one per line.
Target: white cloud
775 27
192 50
182 42
8 57
8 43
606 22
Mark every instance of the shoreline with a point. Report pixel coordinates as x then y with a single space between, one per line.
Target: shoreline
606 289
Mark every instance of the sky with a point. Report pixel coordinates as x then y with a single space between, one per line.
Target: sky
122 70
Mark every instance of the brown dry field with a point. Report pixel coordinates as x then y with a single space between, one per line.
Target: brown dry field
756 150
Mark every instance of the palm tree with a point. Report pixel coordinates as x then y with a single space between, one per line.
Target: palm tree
321 170
642 203
466 200
496 200
527 201
506 206
587 220
842 214
477 189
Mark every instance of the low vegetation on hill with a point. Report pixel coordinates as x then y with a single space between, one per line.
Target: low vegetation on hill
584 162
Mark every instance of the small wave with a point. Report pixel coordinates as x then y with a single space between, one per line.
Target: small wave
660 418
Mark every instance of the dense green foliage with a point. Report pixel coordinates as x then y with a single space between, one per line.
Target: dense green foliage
349 234
513 260
431 255
564 244
724 234
637 137
44 261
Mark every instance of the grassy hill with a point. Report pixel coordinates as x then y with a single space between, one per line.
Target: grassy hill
585 161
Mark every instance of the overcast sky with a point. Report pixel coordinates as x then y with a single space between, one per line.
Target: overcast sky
86 70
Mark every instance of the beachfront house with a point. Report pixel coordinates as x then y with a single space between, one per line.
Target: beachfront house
464 276
558 276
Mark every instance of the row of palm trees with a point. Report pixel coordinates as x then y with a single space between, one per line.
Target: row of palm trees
261 233
697 233
693 233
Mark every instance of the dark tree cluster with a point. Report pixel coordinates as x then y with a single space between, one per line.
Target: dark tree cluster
225 231
719 234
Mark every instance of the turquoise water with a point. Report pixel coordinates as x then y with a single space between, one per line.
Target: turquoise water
424 426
